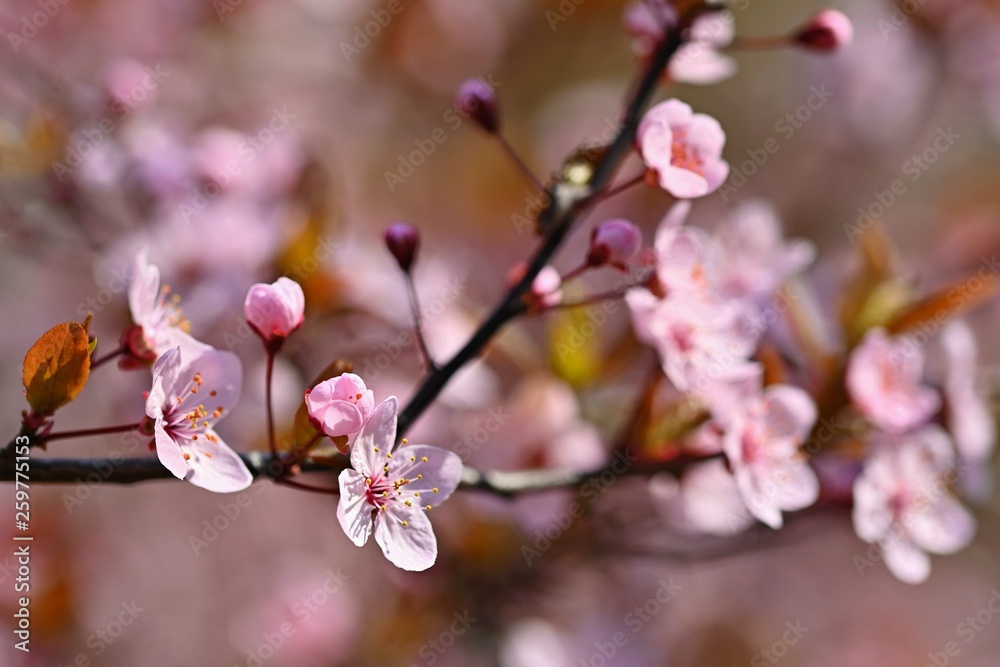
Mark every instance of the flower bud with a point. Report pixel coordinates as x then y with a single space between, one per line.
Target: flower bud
827 31
477 98
275 311
614 242
403 240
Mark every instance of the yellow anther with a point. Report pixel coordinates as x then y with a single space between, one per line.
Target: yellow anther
435 489
405 524
424 459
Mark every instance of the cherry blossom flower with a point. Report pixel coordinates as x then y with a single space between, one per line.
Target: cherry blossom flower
389 492
274 311
683 149
698 60
159 324
762 446
341 405
883 380
902 502
190 394
751 256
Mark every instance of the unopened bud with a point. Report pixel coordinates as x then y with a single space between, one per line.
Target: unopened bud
614 242
477 98
827 31
403 240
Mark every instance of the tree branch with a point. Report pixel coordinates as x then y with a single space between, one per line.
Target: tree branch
558 217
132 470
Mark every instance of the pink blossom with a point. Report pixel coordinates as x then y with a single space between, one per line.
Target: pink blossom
969 418
274 311
751 256
646 21
902 502
190 394
698 60
614 242
762 446
341 405
705 500
388 492
160 326
700 342
684 149
883 380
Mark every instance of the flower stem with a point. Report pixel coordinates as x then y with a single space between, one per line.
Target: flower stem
763 43
272 443
120 350
519 164
618 189
86 432
418 322
596 298
307 487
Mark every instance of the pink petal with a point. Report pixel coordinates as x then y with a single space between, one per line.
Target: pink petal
792 411
706 134
683 183
441 471
222 472
143 288
378 432
169 452
908 563
354 511
943 528
797 487
411 547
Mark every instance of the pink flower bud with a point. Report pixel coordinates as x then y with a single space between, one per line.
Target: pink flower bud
403 240
477 98
341 405
274 311
614 242
827 31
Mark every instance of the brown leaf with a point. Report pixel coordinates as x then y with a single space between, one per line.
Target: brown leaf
934 310
57 366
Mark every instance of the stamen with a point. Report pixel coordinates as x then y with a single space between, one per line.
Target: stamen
376 450
187 457
424 459
435 489
428 508
405 524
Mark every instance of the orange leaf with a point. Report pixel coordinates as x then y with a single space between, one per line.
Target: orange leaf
935 310
57 366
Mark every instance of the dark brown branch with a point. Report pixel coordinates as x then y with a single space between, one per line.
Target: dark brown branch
44 470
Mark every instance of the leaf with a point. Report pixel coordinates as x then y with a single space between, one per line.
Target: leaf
864 294
574 344
934 310
57 366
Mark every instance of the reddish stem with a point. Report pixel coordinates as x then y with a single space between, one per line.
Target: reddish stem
82 433
94 363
